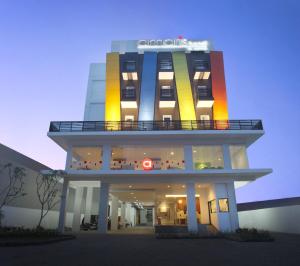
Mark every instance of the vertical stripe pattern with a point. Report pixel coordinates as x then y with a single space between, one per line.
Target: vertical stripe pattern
147 97
220 111
113 94
183 86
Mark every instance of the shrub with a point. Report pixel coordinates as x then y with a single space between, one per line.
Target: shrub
252 234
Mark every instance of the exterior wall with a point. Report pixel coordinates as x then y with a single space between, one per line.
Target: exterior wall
220 111
278 219
95 97
113 90
28 218
223 221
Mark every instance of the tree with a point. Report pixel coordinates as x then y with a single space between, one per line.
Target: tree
14 187
47 190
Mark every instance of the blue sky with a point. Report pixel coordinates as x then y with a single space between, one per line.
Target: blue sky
46 48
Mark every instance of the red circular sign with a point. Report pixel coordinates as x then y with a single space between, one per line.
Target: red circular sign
147 164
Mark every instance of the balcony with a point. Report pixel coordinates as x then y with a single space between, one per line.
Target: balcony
167 98
201 70
204 97
128 98
100 126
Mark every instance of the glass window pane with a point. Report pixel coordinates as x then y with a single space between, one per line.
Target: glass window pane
86 158
132 157
208 157
238 156
223 205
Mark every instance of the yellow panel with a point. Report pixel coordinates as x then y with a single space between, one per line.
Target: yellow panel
183 86
112 98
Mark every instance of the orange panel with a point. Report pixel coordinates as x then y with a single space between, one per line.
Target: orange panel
220 111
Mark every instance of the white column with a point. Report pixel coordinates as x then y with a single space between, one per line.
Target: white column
103 208
63 203
191 208
234 219
153 216
226 156
106 157
88 205
77 209
204 218
123 213
69 158
114 213
188 157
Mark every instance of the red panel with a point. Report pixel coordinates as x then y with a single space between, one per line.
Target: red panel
220 111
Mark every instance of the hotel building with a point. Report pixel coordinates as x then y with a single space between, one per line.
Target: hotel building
156 145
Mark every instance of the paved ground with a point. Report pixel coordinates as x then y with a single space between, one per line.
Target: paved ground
144 249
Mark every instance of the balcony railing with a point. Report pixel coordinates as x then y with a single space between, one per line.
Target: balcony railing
83 126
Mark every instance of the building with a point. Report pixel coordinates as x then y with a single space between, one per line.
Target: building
156 146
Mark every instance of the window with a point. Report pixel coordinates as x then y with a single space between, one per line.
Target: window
130 66
130 91
200 64
208 157
130 157
166 64
129 118
238 156
166 91
86 158
223 205
167 118
204 117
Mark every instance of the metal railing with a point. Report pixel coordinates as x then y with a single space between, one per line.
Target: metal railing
83 126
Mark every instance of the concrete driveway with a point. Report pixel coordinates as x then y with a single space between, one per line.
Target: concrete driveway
139 249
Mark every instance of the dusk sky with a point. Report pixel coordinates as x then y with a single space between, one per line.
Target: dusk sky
46 48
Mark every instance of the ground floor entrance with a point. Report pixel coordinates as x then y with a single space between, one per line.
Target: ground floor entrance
118 207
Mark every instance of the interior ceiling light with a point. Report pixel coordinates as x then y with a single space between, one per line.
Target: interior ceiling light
180 196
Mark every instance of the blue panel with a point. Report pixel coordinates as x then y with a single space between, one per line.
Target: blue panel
147 98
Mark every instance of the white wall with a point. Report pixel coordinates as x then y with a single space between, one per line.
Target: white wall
280 219
95 96
28 218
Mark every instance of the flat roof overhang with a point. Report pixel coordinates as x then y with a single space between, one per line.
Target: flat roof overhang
169 137
168 176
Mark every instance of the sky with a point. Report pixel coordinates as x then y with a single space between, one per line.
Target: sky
46 48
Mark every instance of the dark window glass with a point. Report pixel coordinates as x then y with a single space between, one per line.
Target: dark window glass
130 66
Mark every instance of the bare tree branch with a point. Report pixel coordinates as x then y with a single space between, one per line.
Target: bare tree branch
47 187
15 187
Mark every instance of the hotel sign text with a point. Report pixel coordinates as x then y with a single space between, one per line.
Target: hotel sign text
179 44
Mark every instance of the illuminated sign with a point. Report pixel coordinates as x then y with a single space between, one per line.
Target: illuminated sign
177 44
147 164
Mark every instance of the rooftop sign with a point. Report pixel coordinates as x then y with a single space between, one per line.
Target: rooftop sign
174 44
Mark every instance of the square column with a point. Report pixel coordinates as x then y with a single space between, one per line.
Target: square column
103 208
106 157
191 208
204 218
69 158
226 156
123 213
114 213
188 157
77 209
88 205
62 209
234 218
